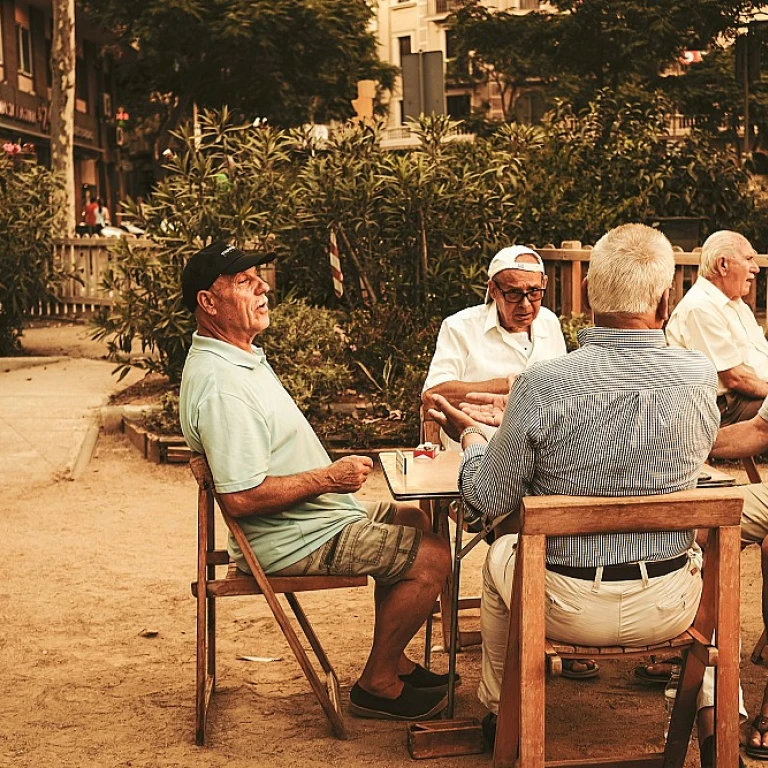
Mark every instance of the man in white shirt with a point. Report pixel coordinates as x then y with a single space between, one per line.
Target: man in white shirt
713 318
483 348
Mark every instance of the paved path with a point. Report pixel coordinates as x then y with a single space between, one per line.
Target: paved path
50 415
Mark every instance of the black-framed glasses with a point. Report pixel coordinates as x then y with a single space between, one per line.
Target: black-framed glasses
516 296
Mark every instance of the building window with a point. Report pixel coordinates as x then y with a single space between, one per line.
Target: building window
530 5
24 44
81 85
450 44
404 46
458 107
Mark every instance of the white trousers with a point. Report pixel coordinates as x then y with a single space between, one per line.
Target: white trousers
637 612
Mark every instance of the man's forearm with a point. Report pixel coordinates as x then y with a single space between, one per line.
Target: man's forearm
276 494
747 438
455 392
740 379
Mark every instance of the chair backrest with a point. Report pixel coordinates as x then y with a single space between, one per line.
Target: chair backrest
574 515
429 429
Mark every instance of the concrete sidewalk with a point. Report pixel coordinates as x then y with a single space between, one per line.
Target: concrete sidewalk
50 415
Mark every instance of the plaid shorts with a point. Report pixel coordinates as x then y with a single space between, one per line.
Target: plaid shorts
371 547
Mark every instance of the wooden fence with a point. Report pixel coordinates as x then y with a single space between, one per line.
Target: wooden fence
90 257
567 266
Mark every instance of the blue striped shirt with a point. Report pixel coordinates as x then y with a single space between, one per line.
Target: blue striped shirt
624 415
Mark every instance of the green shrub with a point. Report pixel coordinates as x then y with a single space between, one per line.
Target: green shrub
571 327
27 275
307 349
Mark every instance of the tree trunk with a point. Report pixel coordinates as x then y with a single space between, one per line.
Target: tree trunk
63 113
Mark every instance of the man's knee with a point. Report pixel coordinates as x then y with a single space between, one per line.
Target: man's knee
433 558
413 516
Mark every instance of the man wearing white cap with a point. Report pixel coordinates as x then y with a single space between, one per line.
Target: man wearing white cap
483 348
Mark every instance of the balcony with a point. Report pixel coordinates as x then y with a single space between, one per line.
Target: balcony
442 7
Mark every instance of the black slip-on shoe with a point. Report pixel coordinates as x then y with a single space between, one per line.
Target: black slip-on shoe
426 680
412 704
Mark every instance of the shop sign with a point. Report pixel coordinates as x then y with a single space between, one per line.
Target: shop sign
24 114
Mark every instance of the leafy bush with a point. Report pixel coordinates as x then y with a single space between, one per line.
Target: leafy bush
307 349
571 327
27 275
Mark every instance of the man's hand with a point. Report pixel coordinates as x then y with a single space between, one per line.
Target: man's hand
485 407
347 475
452 420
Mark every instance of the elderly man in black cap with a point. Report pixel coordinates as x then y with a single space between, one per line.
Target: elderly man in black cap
296 506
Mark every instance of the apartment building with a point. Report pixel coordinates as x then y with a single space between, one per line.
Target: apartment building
411 26
25 95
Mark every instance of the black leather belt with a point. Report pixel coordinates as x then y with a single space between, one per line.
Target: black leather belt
623 572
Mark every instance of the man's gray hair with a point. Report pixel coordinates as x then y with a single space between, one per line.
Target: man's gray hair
629 270
722 243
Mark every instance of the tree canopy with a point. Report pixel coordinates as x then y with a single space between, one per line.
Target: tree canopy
592 44
291 61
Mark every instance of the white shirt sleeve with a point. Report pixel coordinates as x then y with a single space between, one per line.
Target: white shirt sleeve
707 333
449 360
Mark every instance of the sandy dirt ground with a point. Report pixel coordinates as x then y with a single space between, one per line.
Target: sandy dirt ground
97 639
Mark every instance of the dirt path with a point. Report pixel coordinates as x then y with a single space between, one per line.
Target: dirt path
94 566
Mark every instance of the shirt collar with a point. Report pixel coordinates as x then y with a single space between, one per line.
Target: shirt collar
492 321
227 351
621 337
713 293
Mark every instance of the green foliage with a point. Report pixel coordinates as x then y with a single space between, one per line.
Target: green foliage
27 275
571 327
290 61
307 349
415 232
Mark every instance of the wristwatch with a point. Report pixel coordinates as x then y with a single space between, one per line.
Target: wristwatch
470 431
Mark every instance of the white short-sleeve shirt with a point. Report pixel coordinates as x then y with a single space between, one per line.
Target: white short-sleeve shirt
472 346
724 329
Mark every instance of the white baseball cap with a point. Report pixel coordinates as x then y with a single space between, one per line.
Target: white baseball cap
507 258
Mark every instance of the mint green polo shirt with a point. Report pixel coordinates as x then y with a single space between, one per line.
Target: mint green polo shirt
234 409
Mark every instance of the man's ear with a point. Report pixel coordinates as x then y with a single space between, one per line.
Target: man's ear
662 310
544 281
585 295
206 301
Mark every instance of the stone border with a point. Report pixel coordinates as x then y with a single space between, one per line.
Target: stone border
160 449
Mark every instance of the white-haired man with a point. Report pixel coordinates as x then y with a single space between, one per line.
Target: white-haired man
713 318
483 348
624 415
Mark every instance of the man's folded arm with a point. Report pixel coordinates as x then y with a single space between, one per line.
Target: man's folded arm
279 493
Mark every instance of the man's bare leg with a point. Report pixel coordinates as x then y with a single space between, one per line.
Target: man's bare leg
402 608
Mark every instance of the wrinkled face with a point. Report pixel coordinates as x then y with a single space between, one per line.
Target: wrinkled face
241 302
517 311
738 271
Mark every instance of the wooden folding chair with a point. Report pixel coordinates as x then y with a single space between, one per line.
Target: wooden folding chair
520 738
208 587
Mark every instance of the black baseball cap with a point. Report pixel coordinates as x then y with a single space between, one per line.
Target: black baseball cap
220 258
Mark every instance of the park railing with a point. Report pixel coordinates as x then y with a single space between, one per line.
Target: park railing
567 266
90 257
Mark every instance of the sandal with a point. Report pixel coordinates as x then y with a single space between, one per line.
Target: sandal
760 725
658 676
592 670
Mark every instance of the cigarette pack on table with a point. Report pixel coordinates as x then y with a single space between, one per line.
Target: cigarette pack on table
426 451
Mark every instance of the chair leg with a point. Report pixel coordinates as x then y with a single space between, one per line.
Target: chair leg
205 662
328 695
